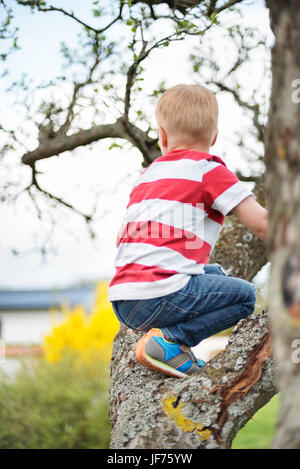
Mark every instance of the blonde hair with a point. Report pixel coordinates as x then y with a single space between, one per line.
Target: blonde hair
189 113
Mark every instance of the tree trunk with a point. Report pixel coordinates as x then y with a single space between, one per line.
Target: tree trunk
283 194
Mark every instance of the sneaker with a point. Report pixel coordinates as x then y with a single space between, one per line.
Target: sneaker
170 358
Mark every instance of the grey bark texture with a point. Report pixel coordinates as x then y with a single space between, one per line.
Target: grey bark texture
283 194
239 252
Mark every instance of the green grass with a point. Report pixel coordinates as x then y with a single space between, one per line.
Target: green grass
259 431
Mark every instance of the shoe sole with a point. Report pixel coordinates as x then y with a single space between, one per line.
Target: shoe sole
143 358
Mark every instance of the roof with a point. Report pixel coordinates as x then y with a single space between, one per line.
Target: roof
46 299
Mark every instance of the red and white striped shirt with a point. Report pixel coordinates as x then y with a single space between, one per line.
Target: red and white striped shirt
174 216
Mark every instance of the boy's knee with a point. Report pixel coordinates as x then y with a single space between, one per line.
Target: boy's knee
215 269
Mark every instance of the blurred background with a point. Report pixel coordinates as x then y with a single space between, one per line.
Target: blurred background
56 324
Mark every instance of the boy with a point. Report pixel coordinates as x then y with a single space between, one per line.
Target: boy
163 285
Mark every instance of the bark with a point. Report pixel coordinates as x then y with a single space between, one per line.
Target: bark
239 252
283 193
120 129
150 410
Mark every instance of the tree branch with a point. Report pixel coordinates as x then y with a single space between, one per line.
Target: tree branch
64 143
201 411
36 4
226 5
185 5
60 144
251 107
77 86
252 178
35 183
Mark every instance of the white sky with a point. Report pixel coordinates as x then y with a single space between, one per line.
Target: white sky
78 258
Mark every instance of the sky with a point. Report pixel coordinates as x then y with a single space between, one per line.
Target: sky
79 175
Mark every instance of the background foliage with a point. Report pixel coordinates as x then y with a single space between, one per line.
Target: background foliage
90 335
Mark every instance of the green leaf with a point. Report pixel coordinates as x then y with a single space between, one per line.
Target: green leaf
214 18
114 145
96 12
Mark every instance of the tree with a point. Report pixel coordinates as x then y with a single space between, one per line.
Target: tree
212 414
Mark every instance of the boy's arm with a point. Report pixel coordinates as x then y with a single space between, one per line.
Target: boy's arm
254 216
120 234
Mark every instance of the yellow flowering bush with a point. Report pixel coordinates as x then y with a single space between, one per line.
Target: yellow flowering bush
88 334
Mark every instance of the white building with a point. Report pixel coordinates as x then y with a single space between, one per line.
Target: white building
27 315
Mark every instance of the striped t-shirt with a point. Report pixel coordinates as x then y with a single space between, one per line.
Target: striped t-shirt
175 212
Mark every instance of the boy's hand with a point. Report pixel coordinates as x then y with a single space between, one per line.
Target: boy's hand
254 216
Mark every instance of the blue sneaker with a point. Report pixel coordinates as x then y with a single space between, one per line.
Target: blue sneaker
157 353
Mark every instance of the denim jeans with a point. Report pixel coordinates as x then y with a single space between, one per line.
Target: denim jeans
206 305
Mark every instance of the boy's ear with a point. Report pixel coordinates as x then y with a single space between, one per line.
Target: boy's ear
215 139
162 137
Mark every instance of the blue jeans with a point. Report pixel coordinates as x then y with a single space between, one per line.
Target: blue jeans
206 305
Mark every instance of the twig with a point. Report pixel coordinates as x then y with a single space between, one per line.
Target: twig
251 107
34 182
36 4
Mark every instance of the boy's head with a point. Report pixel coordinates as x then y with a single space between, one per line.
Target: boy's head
187 116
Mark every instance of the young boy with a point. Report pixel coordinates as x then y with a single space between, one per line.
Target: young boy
163 285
